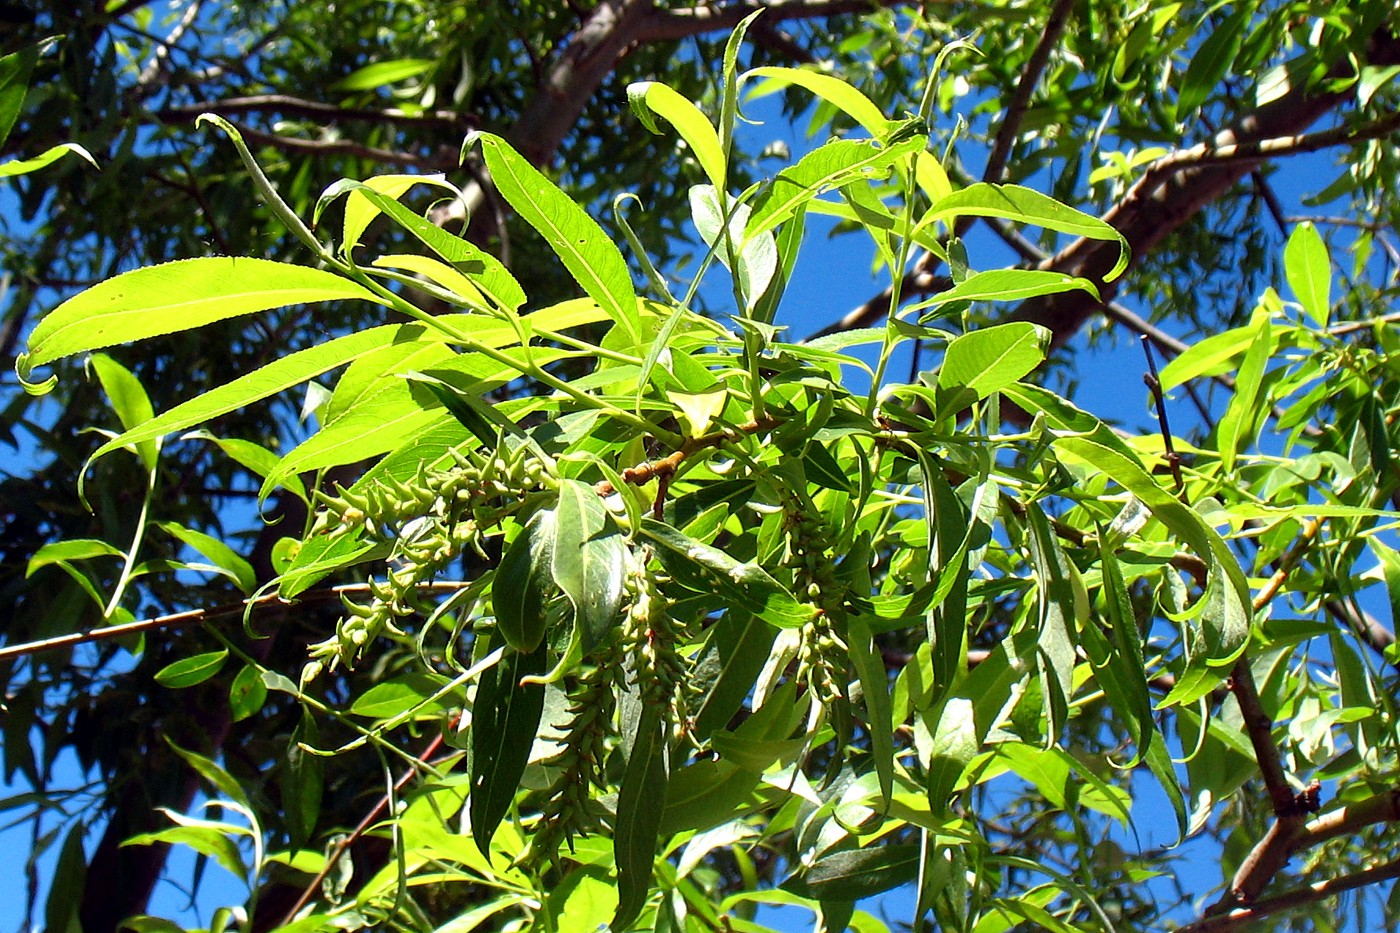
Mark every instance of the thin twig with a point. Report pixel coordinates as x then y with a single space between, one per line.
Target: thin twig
298 106
1154 384
363 827
200 616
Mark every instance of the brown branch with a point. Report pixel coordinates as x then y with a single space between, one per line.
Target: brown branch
301 107
200 616
663 25
666 467
1020 100
322 147
370 818
1351 818
1248 917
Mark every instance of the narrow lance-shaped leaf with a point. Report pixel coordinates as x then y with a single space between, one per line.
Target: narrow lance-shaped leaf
588 560
874 685
1026 205
177 296
505 719
749 585
523 581
641 801
992 358
289 371
1056 598
591 258
652 97
840 94
1309 272
824 169
754 262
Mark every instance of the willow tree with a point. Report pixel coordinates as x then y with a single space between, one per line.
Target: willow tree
577 600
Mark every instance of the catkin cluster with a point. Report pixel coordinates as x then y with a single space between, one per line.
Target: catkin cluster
427 521
652 635
822 658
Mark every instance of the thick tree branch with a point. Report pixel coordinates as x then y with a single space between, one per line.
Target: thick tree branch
1247 918
1182 184
669 25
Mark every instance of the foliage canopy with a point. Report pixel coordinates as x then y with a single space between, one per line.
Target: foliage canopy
582 595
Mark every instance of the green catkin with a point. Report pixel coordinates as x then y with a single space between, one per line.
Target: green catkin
429 520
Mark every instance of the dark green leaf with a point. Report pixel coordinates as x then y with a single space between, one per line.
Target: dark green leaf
857 873
749 585
195 669
641 801
505 718
589 561
523 582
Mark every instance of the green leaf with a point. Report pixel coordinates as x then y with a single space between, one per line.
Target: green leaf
505 719
247 693
857 873
379 74
652 97
826 168
992 358
523 581
1121 670
217 777
749 585
833 90
1309 272
1059 603
733 657
1209 356
220 554
15 69
61 552
752 262
1245 411
641 801
955 740
68 882
302 780
485 271
1006 285
1212 60
255 457
591 258
1025 205
195 669
285 373
129 400
206 840
875 692
390 699
177 296
360 210
44 159
589 561
1227 612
